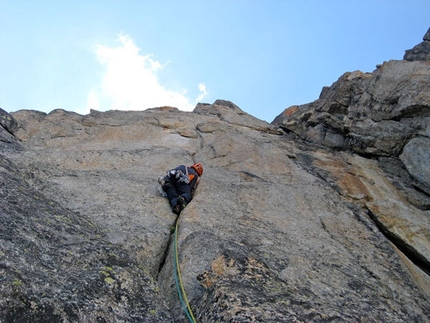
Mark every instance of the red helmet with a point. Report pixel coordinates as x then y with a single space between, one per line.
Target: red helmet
198 168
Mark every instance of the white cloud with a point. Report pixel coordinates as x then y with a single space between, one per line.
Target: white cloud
203 92
130 81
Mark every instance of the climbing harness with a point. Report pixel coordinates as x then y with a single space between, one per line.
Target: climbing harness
178 279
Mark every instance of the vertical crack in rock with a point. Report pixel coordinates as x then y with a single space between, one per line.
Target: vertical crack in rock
166 249
413 255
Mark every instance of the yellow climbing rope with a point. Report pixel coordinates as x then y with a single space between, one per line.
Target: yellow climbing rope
178 279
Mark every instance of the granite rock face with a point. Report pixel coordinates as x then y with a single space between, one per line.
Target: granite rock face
323 215
57 263
384 114
279 229
383 120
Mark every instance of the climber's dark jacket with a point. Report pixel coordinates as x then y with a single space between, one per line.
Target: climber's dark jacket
180 181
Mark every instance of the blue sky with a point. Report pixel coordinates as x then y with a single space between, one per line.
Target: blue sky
263 55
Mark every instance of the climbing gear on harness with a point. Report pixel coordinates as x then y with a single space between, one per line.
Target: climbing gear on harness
198 168
178 176
178 279
183 177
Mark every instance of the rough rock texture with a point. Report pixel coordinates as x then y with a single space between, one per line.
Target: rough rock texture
321 216
271 234
56 263
420 52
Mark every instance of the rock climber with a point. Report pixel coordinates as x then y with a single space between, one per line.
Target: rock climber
180 184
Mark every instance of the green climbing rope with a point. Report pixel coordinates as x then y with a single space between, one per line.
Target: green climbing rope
178 279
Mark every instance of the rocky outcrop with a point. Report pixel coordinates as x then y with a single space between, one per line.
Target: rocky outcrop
384 117
420 52
321 216
7 126
384 114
